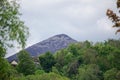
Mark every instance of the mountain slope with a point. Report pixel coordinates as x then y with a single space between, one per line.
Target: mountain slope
51 44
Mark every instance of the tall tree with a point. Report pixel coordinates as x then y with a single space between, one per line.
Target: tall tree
47 61
11 27
112 74
6 70
26 64
89 72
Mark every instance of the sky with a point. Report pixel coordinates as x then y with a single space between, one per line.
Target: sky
80 19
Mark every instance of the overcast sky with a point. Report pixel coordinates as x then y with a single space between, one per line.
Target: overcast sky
80 19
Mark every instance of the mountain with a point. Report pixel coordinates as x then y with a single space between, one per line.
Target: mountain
51 44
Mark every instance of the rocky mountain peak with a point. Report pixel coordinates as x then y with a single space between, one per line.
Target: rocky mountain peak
51 44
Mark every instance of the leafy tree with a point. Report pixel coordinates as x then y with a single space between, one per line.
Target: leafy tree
73 68
60 58
73 49
45 76
89 72
63 60
38 72
90 56
114 59
114 17
11 29
47 61
4 69
26 64
112 74
103 50
54 69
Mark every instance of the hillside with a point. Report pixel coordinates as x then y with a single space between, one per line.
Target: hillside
51 44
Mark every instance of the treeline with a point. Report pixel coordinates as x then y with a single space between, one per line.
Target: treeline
79 61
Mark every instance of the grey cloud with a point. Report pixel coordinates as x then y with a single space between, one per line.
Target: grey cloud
80 19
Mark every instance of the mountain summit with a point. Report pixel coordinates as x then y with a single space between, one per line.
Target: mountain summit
51 44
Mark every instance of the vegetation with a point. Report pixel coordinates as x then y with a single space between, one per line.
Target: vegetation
12 29
26 64
45 76
79 61
47 61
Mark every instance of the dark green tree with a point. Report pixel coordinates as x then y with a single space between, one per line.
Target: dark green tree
112 74
47 61
73 68
114 59
89 72
60 58
103 51
73 49
7 72
26 64
90 56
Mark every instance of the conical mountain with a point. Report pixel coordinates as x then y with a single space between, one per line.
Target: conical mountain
51 44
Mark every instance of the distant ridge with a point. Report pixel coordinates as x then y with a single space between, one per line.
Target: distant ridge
51 44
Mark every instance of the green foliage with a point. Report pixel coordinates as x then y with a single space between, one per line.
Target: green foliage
26 64
38 72
54 70
60 57
47 61
73 68
90 56
11 27
45 76
2 51
80 61
89 72
6 70
112 74
73 49
92 60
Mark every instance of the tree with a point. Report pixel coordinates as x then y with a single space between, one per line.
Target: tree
47 61
73 68
6 71
89 72
39 72
112 74
11 27
114 59
90 56
114 17
26 64
44 76
73 49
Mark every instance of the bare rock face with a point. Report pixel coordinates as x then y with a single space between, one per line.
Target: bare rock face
51 44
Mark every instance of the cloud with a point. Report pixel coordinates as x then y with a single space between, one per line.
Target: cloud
80 19
64 16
